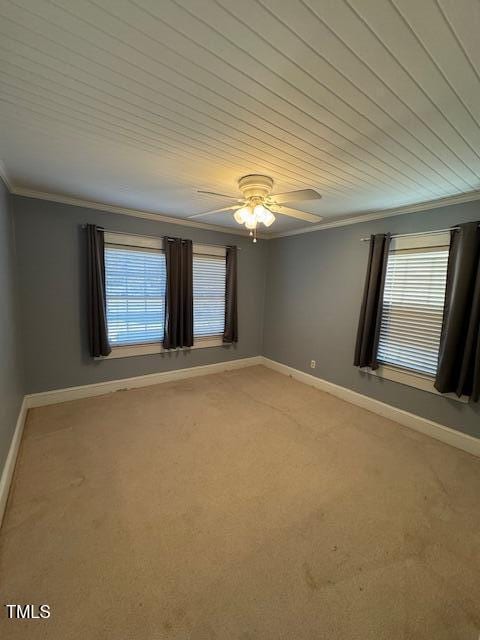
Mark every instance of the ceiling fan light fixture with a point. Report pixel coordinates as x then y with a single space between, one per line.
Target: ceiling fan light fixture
256 206
249 217
268 218
260 212
264 215
242 215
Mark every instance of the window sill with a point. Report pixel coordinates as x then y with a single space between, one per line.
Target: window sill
128 351
411 379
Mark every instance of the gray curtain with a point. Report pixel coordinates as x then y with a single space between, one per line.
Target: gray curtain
96 301
230 333
368 331
178 294
459 355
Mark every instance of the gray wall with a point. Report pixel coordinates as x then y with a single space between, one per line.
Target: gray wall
11 382
51 259
314 289
314 284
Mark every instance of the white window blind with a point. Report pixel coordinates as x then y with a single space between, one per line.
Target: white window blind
413 304
135 290
208 295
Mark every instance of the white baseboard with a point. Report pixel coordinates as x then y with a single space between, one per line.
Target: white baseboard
9 468
101 388
428 427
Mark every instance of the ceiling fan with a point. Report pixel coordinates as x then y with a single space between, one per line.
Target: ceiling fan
258 206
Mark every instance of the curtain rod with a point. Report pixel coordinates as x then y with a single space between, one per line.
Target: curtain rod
418 233
146 235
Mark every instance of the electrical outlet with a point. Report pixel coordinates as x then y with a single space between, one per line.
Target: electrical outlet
313 364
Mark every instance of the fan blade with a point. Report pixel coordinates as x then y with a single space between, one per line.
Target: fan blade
294 196
294 213
221 195
207 213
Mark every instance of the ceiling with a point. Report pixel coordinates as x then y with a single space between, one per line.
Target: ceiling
139 103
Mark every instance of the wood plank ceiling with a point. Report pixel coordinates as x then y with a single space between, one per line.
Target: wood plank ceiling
138 103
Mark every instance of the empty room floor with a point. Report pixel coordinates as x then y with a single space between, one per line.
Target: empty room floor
241 505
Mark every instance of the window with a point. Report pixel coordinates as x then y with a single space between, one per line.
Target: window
413 302
135 291
135 281
208 295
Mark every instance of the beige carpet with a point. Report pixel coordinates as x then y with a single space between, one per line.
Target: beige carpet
245 506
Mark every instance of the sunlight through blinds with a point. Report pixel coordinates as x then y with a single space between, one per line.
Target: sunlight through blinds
413 304
208 295
135 291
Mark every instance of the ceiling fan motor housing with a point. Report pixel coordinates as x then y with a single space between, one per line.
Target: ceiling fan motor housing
255 186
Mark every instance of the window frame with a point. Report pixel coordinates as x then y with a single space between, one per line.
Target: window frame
215 252
149 348
134 243
408 377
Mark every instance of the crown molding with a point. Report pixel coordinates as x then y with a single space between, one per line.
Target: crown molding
135 213
378 214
